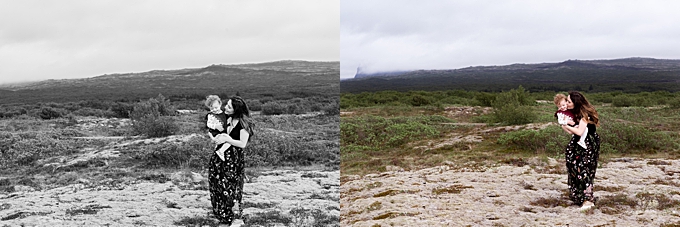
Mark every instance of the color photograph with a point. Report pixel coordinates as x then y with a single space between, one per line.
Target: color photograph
509 113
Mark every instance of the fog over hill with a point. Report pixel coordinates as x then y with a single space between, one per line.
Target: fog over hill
627 74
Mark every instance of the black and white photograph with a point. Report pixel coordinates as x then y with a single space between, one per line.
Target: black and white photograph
169 113
509 113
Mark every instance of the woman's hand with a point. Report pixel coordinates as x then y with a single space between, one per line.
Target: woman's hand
222 138
566 129
578 131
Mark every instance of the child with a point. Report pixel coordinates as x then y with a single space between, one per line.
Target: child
215 122
565 116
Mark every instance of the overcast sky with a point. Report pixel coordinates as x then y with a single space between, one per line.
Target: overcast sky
390 35
74 39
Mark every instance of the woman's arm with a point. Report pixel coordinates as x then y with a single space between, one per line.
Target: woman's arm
566 129
239 143
574 130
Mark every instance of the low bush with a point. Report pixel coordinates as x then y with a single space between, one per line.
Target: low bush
380 132
552 140
513 108
87 111
24 148
273 108
674 103
195 154
150 118
121 109
615 137
47 113
283 149
630 138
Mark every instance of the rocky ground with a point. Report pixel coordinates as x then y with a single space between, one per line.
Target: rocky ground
182 198
630 192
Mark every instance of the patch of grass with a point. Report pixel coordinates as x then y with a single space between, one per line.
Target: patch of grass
314 175
528 186
197 221
611 188
248 204
453 189
670 224
658 162
374 185
391 192
323 197
316 217
519 162
266 219
89 209
666 182
6 185
155 177
527 209
386 215
23 214
550 202
551 140
548 169
615 204
662 201
377 205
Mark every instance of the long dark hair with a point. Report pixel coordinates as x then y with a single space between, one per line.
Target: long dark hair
242 113
583 108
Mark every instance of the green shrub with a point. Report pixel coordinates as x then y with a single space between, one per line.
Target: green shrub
615 138
485 99
419 100
379 132
551 140
630 138
674 103
514 115
512 107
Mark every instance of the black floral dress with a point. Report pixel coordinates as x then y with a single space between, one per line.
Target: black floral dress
581 166
226 180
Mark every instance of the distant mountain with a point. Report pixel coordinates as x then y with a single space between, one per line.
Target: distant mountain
628 75
275 79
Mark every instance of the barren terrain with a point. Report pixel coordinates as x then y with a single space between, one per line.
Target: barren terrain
533 193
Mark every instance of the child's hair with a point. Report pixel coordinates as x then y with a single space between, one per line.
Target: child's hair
559 97
210 99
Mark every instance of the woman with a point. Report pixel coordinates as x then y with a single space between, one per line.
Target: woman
226 177
582 162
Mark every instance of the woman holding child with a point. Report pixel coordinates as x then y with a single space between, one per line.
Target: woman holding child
582 160
226 166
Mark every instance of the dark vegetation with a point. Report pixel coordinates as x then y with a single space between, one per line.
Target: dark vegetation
379 125
290 139
629 75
